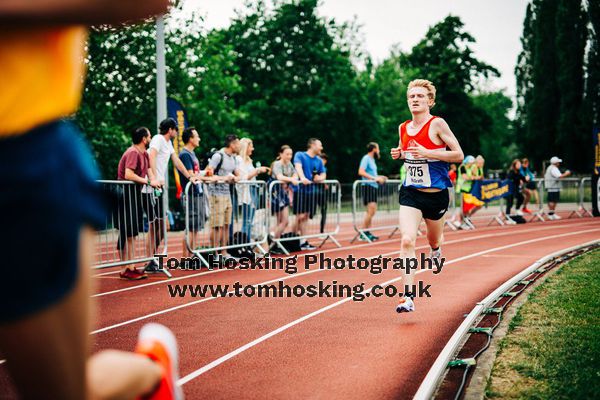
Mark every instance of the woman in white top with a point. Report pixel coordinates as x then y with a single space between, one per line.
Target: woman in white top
247 193
282 170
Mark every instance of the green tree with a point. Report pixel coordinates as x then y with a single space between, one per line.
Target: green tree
551 81
120 89
592 68
497 141
523 72
298 82
571 33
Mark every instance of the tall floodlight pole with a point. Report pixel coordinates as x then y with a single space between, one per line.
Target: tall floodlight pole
161 76
161 89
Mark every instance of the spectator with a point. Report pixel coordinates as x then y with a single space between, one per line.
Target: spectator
195 200
282 170
464 183
133 166
322 195
224 170
514 175
49 188
310 170
161 150
367 171
247 194
477 175
452 174
552 182
530 189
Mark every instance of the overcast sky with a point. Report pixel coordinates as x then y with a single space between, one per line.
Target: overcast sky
496 25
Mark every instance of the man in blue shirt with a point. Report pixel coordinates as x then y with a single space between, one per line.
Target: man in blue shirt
310 170
369 187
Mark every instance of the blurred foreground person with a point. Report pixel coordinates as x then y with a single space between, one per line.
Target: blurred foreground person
46 313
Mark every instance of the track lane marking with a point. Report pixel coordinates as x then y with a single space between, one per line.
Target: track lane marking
287 326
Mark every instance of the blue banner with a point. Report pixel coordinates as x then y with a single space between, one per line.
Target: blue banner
491 189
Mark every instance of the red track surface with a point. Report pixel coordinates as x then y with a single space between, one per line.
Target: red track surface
331 348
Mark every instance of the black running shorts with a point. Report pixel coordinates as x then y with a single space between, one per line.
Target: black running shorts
433 205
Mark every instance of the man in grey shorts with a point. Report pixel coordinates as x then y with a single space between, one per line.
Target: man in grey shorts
225 170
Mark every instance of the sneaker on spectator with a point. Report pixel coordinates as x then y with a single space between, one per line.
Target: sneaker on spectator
307 246
158 343
527 210
519 212
132 275
372 237
364 237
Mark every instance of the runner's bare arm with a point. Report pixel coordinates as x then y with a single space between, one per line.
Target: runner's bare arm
77 12
396 152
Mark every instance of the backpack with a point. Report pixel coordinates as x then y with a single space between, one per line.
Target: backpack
244 251
518 219
292 245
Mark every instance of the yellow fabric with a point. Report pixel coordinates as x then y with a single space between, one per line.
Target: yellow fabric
41 76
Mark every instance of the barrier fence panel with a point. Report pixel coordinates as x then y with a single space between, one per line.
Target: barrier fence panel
308 211
585 197
375 207
222 217
136 228
452 210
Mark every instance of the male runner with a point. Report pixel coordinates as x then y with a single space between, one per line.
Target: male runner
424 194
47 177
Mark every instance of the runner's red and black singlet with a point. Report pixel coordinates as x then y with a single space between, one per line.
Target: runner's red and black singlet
424 173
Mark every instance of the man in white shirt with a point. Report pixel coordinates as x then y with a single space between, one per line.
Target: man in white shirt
551 181
161 149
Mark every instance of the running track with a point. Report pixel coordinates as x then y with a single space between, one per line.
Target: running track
322 347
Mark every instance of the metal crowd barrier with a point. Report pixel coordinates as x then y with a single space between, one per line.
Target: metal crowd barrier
132 231
452 210
223 216
385 198
316 209
583 209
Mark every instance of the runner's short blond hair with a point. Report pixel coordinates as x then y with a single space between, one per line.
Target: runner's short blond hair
425 84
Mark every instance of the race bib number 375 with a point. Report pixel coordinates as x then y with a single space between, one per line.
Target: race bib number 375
417 173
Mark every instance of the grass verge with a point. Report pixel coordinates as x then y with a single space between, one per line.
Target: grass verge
552 350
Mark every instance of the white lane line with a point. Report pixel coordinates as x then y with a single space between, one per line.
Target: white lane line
285 327
281 278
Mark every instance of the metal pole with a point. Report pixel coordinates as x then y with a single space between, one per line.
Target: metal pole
161 78
161 109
